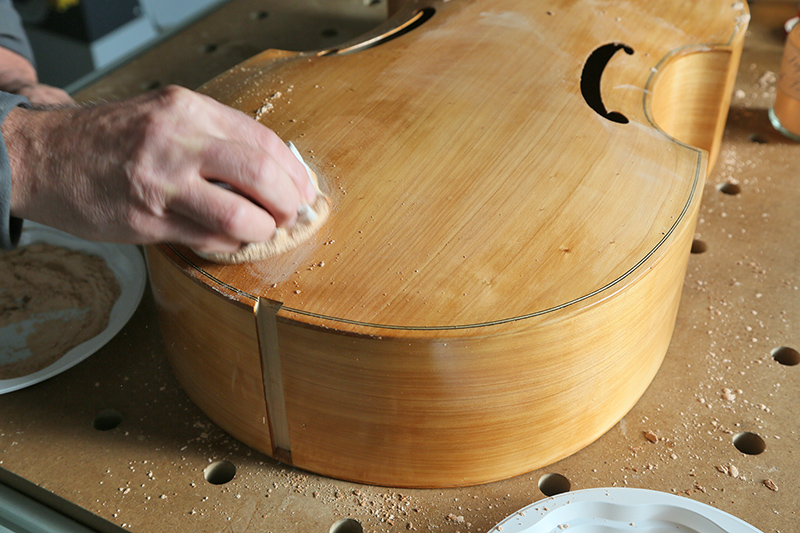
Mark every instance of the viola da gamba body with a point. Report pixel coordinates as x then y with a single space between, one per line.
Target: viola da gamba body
514 191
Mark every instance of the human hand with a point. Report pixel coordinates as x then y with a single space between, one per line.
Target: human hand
142 171
42 95
18 76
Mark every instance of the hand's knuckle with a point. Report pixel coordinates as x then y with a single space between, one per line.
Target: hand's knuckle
156 125
171 95
262 169
233 218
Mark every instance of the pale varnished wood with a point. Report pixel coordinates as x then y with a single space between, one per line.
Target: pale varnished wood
459 410
218 365
498 281
691 97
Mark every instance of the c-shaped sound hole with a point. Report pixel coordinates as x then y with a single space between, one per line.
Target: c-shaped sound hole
590 80
419 18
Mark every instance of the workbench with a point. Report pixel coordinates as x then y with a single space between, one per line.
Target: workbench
115 443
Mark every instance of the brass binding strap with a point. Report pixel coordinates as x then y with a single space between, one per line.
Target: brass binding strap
267 322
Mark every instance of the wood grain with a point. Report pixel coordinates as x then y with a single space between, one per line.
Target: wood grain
219 364
498 281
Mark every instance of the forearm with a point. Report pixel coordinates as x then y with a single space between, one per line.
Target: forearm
25 138
9 226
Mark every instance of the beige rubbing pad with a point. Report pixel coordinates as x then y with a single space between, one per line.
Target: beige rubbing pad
309 219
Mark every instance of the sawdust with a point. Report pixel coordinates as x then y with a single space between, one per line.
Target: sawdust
268 105
730 470
54 299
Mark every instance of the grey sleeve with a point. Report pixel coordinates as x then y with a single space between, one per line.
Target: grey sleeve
12 36
10 227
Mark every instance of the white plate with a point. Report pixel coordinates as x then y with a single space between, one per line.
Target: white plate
613 510
128 266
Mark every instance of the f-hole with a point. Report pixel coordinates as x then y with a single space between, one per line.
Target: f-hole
590 80
419 18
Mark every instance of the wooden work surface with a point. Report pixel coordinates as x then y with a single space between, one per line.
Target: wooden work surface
719 378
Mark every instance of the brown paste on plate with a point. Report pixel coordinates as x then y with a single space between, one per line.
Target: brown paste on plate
57 298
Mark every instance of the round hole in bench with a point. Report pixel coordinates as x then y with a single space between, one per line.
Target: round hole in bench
107 419
552 484
219 472
729 188
786 356
348 525
699 247
749 443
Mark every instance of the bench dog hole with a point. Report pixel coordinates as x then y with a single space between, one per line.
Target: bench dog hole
219 472
552 484
749 443
348 525
786 356
729 188
107 419
698 246
150 85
